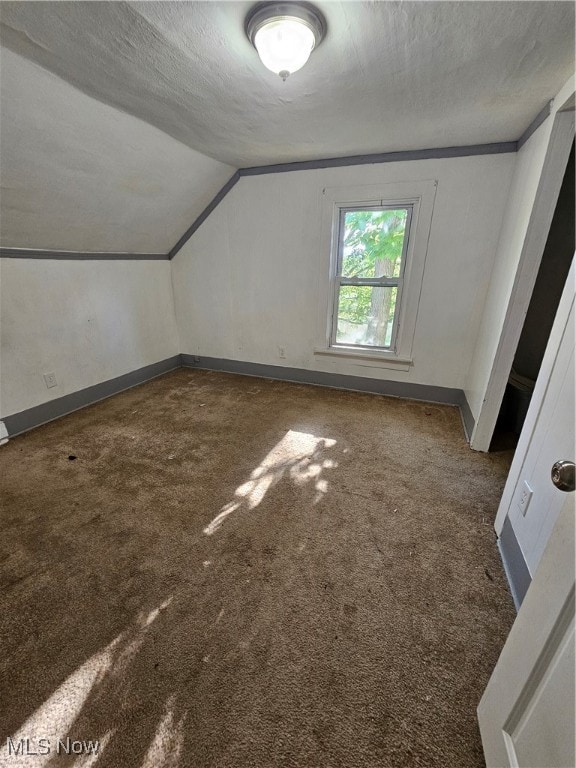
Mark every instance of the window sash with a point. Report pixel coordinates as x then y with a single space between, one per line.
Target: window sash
395 321
377 282
408 207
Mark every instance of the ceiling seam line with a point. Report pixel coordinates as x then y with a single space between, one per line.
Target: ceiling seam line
46 253
349 160
337 162
536 123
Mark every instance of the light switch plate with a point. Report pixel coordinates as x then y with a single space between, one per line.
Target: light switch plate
526 493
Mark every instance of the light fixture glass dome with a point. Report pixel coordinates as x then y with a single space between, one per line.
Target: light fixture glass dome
284 46
285 34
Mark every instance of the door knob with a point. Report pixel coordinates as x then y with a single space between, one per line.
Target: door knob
563 475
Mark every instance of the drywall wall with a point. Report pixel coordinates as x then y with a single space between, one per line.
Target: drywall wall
248 283
530 159
554 268
84 321
80 175
518 211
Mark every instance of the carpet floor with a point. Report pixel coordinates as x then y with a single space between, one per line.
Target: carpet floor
212 570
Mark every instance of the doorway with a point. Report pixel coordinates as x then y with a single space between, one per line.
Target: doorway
550 281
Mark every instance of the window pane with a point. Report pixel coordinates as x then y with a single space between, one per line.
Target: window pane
366 315
373 242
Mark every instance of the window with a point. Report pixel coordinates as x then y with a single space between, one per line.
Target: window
374 240
372 245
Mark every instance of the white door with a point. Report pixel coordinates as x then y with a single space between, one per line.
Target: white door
530 500
552 439
526 714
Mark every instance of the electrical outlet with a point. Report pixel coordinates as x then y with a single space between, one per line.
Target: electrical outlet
281 353
524 497
50 380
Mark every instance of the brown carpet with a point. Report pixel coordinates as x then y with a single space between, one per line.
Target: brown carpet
238 572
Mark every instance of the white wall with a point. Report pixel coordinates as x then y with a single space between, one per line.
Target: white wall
527 175
80 175
519 207
249 279
86 321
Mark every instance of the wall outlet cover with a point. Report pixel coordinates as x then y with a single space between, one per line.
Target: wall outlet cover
50 380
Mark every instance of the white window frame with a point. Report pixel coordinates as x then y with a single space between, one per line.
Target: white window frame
419 197
378 282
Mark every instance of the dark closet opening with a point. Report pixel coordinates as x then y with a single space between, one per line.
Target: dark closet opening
552 274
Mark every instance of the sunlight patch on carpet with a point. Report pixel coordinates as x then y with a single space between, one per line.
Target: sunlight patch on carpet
43 736
53 719
297 456
166 746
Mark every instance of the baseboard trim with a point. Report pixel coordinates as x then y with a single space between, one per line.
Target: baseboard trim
425 392
31 418
515 566
468 420
26 420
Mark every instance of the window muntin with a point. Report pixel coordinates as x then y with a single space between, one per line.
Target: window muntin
371 260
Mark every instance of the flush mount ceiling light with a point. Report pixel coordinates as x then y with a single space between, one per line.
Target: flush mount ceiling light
285 34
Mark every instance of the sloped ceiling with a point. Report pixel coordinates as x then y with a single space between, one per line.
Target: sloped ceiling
77 174
121 120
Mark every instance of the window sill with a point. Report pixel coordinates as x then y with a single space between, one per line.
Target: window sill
373 359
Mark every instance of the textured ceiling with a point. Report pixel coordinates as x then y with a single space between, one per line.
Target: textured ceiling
389 76
120 121
79 175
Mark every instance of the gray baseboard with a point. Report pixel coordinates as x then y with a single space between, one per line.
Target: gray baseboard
426 392
468 420
515 566
23 421
54 409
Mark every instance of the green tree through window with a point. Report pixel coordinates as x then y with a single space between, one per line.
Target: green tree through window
372 249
